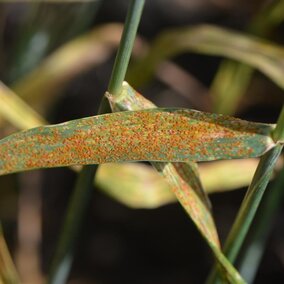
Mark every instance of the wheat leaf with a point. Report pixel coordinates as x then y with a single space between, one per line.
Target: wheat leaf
265 56
176 135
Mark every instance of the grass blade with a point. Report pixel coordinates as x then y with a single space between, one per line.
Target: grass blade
139 186
252 199
40 34
228 86
248 208
260 54
253 251
177 135
134 184
40 86
83 189
76 211
185 184
8 272
233 78
13 109
130 100
130 191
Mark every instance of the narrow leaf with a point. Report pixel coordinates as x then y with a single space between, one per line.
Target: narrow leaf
252 199
13 109
217 176
183 177
177 135
40 86
140 186
228 86
8 272
130 190
134 184
184 182
248 208
130 100
233 78
265 56
253 250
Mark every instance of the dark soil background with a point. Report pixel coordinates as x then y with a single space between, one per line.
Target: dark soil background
119 244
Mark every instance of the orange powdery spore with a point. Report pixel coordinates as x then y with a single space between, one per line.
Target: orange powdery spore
153 135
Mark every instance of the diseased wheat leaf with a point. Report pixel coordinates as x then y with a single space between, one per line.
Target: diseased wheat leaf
130 100
184 182
185 175
217 176
200 215
83 141
265 56
177 135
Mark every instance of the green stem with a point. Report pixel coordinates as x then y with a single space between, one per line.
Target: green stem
248 208
80 198
76 210
253 250
251 201
125 47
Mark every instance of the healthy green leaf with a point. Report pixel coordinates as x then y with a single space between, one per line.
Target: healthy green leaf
253 250
260 54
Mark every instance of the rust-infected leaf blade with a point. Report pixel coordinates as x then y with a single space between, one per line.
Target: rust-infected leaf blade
130 99
184 181
189 199
177 135
183 178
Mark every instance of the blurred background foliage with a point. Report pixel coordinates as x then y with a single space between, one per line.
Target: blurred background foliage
58 57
